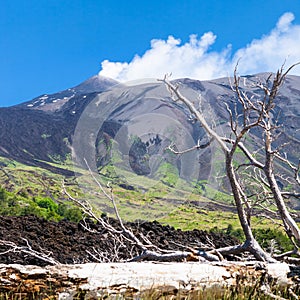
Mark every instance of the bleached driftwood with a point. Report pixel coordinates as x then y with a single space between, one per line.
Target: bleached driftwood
66 281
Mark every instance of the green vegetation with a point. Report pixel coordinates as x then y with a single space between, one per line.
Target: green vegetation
166 198
189 217
20 204
168 173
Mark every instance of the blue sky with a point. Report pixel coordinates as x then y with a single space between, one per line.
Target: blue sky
50 45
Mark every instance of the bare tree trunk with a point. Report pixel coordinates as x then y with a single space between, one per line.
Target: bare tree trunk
290 225
235 188
250 244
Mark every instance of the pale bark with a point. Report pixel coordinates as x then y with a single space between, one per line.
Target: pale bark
290 225
139 280
250 244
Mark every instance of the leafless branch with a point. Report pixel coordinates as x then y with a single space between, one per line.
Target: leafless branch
247 153
177 96
196 147
88 210
12 247
282 256
295 169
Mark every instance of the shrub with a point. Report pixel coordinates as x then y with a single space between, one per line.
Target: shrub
70 213
47 203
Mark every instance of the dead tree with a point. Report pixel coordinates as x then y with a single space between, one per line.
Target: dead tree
147 250
261 109
271 154
255 113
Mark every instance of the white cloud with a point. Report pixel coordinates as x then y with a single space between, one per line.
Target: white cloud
285 21
269 52
195 60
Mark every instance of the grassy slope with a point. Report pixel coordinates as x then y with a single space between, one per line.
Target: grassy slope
182 205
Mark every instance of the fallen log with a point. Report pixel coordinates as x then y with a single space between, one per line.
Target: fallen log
142 278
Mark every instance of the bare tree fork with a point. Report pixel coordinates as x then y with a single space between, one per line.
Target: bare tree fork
110 196
112 254
254 162
13 247
177 96
283 256
253 179
148 250
88 210
264 216
240 198
295 169
256 113
207 251
129 234
247 246
266 123
196 147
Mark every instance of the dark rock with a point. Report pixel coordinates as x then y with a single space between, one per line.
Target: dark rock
68 242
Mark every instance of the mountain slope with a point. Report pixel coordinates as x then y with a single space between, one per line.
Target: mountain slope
40 129
141 119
